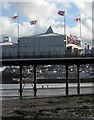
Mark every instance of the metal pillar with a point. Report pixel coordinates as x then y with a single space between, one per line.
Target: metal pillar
78 79
21 81
67 81
18 47
35 90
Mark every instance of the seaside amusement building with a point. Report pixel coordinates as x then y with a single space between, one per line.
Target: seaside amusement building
73 45
48 44
8 47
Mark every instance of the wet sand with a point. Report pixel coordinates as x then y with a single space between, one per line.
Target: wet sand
65 108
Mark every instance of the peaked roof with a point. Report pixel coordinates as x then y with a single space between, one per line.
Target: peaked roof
49 30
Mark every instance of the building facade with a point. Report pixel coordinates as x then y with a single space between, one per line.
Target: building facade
48 44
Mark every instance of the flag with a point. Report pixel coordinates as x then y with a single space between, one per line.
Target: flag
62 13
15 17
33 22
77 19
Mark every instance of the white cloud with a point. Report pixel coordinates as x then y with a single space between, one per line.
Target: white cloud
77 1
26 29
33 10
8 28
11 29
49 1
46 14
6 5
85 9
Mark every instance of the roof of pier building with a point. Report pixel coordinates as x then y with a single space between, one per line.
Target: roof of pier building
48 33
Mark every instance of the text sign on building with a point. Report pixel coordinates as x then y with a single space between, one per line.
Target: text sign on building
7 39
73 40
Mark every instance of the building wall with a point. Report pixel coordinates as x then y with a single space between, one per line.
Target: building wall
42 46
9 50
47 45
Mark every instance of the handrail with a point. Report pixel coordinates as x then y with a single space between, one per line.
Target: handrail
46 56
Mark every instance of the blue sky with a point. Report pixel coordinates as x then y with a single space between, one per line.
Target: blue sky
70 13
11 12
46 13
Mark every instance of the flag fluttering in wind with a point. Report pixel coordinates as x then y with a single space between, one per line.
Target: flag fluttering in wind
33 22
62 13
15 17
77 19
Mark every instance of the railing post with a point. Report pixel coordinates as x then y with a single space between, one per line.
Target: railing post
35 90
78 79
20 82
67 81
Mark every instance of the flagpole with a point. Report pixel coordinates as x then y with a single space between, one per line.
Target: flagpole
80 27
37 26
18 36
64 25
18 27
62 13
65 30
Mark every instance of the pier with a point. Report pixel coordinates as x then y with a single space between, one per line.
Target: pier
49 61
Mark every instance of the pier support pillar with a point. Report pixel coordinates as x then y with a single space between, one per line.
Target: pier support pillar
35 90
67 81
78 79
21 81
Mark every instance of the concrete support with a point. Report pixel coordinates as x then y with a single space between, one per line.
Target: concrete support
35 90
78 80
67 81
21 81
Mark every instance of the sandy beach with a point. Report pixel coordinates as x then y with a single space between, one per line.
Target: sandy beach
65 108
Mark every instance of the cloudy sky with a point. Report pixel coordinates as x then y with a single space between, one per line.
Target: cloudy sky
45 12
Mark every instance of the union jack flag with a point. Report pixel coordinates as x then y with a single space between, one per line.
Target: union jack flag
62 13
15 17
33 22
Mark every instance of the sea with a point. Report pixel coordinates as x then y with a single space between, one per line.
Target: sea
10 91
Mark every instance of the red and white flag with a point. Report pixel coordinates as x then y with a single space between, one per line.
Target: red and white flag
15 17
62 13
33 22
77 19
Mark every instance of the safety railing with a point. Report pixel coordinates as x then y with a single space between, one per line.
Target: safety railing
44 56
